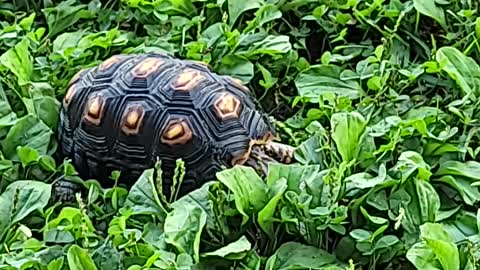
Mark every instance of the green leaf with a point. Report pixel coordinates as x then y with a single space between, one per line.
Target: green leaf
27 155
19 61
365 180
107 256
19 200
269 45
360 234
26 23
56 264
79 259
292 255
320 80
299 178
386 241
48 163
436 251
7 116
237 8
264 14
374 219
250 192
429 8
66 44
236 250
477 28
183 228
347 131
71 219
309 152
429 201
47 110
266 215
268 80
143 197
463 185
27 131
64 15
469 169
463 69
237 67
410 164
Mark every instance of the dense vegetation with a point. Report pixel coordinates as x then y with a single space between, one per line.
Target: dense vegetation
381 99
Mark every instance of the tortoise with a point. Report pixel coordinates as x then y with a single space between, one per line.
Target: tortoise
132 110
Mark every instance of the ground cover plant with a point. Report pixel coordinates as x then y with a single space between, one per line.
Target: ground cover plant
381 99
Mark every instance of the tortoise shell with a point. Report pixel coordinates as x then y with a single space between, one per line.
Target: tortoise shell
132 110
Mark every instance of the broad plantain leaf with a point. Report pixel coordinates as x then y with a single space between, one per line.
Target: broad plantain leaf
19 200
237 66
463 69
266 215
250 192
183 228
27 131
79 259
321 80
237 8
436 249
19 61
236 250
430 9
292 255
143 197
347 131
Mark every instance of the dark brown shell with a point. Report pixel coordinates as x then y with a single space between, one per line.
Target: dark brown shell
132 109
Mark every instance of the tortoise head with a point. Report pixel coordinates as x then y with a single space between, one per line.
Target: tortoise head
270 152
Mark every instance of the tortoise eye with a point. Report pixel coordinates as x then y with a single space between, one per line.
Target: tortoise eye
227 106
177 132
187 80
95 106
132 120
147 67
